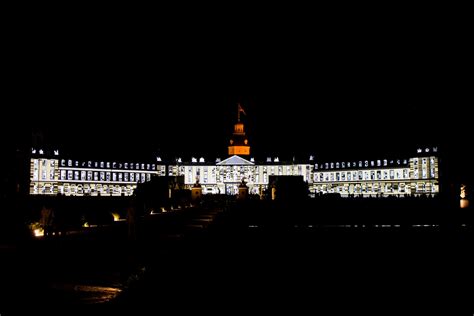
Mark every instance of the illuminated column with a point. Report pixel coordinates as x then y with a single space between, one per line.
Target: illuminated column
273 188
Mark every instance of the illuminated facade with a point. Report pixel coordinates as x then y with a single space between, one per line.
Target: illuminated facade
416 175
52 175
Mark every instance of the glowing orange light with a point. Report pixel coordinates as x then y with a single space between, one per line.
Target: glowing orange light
464 202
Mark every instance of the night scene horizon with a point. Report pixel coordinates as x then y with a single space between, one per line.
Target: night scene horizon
209 176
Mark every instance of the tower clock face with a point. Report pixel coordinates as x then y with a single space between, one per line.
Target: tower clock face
245 142
231 141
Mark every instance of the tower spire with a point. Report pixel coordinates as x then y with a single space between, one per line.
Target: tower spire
239 109
239 143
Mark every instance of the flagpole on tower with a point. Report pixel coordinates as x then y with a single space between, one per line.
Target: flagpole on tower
239 109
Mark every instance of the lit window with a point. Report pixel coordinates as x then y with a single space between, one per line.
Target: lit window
424 174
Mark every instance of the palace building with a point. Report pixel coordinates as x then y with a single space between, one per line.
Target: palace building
52 174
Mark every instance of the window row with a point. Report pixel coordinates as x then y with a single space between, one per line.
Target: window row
360 164
361 175
104 176
109 165
95 189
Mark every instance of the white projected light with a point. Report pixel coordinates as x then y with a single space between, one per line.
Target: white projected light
412 176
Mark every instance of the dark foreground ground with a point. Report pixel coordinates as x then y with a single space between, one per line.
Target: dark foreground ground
248 258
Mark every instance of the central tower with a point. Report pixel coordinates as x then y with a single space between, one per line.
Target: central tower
239 144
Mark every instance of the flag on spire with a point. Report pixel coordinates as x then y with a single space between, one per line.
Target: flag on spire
241 109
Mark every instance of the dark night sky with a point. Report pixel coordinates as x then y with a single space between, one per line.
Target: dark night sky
331 92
